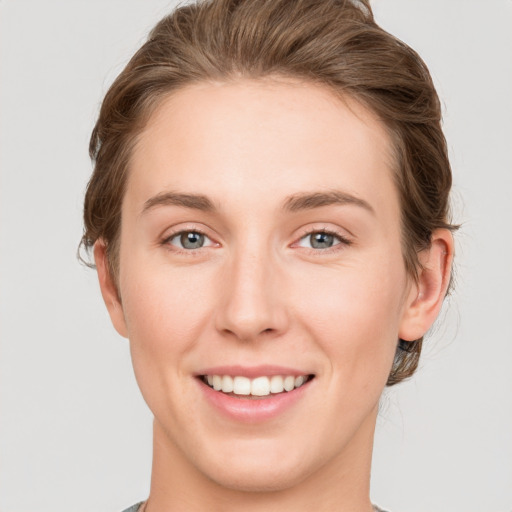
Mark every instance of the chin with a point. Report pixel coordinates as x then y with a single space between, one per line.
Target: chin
258 473
258 479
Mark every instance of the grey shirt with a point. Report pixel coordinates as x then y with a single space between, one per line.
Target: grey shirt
135 507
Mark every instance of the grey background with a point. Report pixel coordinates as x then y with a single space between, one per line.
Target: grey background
75 433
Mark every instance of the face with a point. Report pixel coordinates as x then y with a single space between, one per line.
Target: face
260 250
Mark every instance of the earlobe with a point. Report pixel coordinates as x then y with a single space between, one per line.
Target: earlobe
426 298
109 289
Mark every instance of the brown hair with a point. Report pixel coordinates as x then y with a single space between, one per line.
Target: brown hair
335 43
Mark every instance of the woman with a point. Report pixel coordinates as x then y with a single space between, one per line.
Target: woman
269 219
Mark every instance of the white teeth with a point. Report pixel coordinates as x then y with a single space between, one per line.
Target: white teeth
299 381
276 384
217 382
227 384
241 386
289 382
260 386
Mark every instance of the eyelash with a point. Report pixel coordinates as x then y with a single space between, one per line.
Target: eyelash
342 242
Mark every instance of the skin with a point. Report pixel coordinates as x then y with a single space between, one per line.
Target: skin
258 292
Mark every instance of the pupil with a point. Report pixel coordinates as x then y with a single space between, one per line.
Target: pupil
321 240
192 240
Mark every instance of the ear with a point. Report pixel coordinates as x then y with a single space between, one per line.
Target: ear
426 296
109 289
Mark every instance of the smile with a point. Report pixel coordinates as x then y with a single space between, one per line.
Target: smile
255 394
259 386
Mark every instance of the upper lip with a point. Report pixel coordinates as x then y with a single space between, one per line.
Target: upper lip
253 371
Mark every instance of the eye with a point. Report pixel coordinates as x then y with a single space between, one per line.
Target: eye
189 240
322 240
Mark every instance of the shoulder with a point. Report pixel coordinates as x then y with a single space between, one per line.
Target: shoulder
134 508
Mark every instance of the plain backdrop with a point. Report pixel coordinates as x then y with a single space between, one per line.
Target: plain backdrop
75 433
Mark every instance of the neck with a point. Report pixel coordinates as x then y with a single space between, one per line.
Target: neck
341 483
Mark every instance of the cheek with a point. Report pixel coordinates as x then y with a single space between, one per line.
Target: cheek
354 315
162 309
165 313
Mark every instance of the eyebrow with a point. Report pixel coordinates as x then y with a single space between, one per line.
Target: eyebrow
310 200
294 203
192 201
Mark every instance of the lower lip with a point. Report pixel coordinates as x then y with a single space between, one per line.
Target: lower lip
249 410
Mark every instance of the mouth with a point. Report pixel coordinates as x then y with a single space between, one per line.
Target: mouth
260 387
254 394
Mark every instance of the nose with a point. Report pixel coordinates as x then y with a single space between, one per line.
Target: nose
252 299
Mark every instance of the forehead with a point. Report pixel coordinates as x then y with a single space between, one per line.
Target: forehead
250 141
